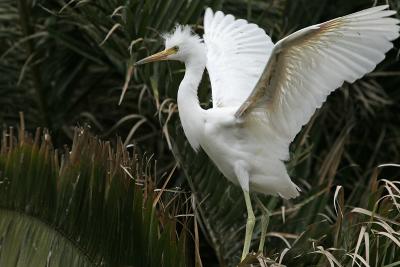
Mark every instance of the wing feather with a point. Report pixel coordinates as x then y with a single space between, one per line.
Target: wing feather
237 52
306 66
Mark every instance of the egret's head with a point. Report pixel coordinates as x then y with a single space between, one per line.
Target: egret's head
181 44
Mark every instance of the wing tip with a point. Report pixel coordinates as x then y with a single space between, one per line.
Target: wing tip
219 13
208 16
373 9
208 12
379 8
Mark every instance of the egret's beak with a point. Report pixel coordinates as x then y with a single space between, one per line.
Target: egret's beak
163 55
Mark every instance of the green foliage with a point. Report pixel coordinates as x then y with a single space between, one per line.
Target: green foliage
68 65
65 63
366 235
89 206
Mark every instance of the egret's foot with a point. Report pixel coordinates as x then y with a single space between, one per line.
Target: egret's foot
258 260
251 220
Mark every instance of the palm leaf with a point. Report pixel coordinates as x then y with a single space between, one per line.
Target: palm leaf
87 206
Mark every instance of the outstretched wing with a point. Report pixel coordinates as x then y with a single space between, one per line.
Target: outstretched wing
237 53
309 64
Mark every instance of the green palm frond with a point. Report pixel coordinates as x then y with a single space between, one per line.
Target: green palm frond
83 51
76 55
93 205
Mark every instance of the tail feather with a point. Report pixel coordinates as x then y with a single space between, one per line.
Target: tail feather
271 185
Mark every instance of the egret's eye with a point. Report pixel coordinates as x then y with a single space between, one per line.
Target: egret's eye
176 48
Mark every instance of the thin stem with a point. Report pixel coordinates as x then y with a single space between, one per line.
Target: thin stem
27 31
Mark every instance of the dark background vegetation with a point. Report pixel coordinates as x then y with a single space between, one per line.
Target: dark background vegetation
64 64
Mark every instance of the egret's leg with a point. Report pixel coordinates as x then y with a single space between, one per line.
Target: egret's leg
251 220
244 180
265 213
264 227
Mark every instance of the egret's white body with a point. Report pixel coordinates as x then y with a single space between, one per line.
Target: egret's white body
250 147
263 93
233 144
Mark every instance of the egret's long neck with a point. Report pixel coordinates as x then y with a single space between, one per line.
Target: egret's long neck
190 111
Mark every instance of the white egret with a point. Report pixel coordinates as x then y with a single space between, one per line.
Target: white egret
263 93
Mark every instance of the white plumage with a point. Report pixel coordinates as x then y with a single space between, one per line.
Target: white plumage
237 53
264 93
303 69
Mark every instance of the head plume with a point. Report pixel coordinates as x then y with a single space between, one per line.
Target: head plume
180 34
189 45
